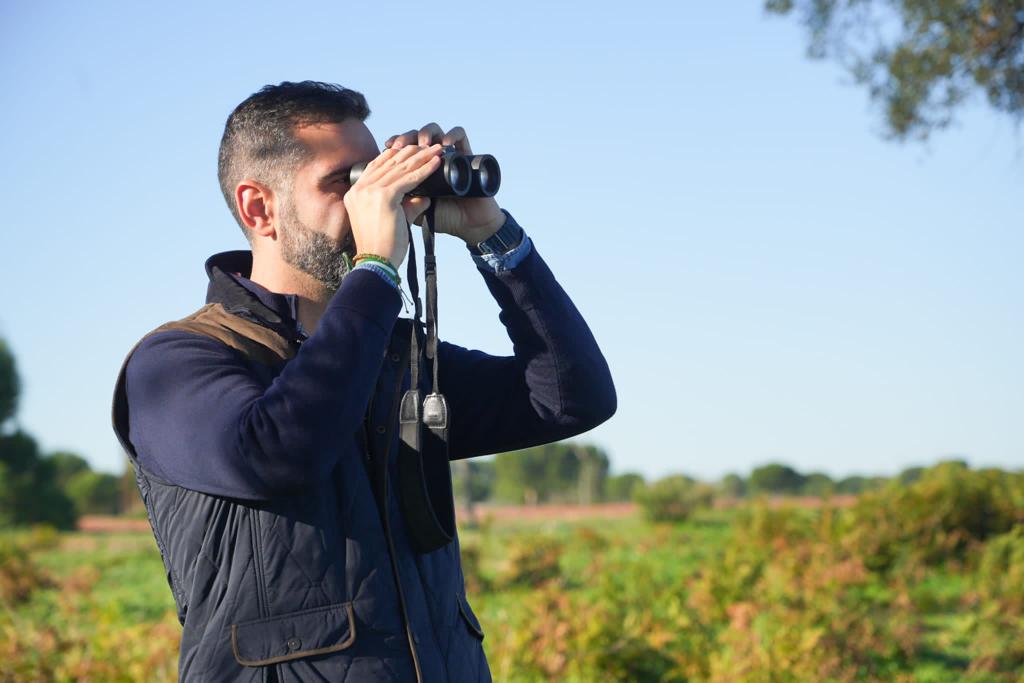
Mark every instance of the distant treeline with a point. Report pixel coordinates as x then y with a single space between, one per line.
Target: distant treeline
53 488
575 473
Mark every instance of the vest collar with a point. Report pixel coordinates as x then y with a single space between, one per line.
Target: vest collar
231 287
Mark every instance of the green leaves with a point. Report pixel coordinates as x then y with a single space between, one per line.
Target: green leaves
920 60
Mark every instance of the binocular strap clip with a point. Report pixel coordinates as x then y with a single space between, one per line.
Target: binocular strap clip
424 481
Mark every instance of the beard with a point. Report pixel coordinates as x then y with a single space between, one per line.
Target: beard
312 252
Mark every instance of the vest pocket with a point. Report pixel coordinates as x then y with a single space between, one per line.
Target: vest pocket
307 633
469 617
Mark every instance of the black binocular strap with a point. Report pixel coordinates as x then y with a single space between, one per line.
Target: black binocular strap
424 481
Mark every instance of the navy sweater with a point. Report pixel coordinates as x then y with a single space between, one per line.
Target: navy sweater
200 419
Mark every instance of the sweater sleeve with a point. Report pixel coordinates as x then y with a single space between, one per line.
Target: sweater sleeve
201 418
556 385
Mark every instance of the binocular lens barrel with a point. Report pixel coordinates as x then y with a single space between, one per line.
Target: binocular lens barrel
486 176
452 178
458 176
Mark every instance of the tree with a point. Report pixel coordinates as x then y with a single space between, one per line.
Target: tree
732 486
593 471
29 492
555 472
622 488
28 487
481 481
10 385
66 465
920 59
95 493
776 478
817 484
519 476
858 484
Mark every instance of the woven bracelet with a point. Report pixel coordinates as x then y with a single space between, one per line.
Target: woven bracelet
376 259
381 270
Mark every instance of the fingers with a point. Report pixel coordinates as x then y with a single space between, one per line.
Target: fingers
386 162
457 136
400 141
407 173
424 137
431 134
377 162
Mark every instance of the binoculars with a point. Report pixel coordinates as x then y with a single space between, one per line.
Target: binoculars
459 175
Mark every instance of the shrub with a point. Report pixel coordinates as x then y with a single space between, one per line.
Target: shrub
20 575
674 499
532 560
786 602
996 636
935 519
732 486
475 581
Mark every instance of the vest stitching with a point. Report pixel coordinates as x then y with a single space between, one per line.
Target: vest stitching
257 549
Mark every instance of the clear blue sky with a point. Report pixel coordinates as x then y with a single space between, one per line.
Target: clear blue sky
769 278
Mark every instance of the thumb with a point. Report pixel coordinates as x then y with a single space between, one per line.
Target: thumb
414 208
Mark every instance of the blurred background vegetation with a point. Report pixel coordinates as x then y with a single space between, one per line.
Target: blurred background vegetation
775 575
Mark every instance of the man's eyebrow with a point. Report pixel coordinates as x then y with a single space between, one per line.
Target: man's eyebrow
340 172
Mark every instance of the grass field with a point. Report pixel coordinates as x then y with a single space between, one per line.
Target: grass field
743 594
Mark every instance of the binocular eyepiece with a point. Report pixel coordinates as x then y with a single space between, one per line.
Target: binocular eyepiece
459 175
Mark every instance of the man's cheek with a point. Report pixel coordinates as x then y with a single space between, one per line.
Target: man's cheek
336 223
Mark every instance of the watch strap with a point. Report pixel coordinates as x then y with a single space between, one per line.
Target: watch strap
505 240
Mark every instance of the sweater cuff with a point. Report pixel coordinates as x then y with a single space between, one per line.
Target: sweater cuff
366 293
499 263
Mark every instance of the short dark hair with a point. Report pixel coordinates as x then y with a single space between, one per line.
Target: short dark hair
259 137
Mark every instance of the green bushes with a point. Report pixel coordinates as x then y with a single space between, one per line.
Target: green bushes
674 499
20 574
741 595
531 560
788 596
786 603
98 610
937 518
996 629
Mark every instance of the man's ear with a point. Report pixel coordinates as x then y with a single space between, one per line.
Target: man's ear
256 206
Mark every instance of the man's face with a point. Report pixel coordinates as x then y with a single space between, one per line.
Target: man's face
314 226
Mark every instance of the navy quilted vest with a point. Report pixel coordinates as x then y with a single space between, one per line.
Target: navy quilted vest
322 586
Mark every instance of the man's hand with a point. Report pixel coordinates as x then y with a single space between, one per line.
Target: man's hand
377 207
472 219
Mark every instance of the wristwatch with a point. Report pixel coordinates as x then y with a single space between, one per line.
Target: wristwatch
505 240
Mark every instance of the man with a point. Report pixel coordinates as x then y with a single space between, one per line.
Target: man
264 428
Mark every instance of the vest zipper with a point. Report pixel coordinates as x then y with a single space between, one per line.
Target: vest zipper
401 593
385 516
